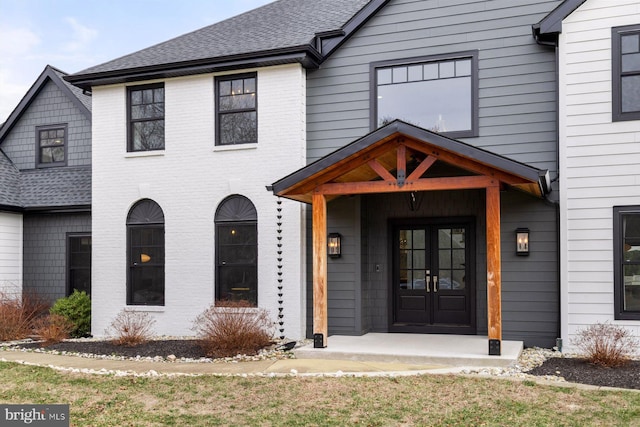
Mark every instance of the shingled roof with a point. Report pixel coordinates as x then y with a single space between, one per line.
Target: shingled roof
75 95
284 31
9 183
55 188
48 188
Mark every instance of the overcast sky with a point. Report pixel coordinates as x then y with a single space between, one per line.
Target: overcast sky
72 35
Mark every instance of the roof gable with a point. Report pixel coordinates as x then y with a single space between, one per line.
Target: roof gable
394 147
75 95
551 25
285 31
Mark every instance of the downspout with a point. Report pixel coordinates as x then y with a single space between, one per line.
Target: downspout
552 40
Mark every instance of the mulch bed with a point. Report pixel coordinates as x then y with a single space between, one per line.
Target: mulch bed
577 370
188 349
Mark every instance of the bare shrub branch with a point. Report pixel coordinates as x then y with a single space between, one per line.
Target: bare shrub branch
233 327
132 327
18 313
606 345
53 328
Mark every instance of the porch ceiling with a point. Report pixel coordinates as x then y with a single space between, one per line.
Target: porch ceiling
401 157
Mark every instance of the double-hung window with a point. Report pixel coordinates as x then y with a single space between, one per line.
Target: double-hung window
237 250
146 118
438 93
625 56
236 109
626 256
145 251
52 142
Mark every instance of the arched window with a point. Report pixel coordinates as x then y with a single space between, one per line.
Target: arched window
145 254
237 250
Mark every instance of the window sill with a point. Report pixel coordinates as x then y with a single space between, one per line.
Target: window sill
135 154
147 308
235 147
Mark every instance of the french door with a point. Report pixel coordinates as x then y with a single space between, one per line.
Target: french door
433 281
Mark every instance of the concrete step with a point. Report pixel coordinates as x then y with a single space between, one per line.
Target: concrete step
418 349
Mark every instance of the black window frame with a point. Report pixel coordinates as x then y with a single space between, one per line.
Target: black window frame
619 262
131 122
72 266
152 219
617 115
230 214
469 54
218 113
65 145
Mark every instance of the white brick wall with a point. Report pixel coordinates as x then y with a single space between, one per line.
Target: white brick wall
600 164
188 180
11 253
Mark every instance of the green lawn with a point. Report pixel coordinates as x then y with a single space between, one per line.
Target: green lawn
430 400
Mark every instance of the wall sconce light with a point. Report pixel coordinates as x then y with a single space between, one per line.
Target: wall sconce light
522 241
334 242
144 258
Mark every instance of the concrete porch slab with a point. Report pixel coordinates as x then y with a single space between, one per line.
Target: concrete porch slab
419 349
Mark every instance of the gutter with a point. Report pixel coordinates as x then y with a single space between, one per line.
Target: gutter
306 55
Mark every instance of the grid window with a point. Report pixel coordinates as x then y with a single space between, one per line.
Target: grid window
625 67
145 248
52 143
438 94
146 118
626 224
237 114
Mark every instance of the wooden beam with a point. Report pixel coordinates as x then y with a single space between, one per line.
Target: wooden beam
380 170
431 184
401 168
494 282
422 168
320 313
346 165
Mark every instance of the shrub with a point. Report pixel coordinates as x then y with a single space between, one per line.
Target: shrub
229 328
18 313
77 309
132 327
606 345
53 328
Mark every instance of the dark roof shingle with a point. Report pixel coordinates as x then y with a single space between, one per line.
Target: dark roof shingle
277 25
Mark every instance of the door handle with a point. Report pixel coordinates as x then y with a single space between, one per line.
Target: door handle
435 283
427 280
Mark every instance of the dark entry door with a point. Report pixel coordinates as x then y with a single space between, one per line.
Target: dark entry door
433 278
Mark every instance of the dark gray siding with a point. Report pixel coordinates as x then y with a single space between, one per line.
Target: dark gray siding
379 209
344 273
45 251
517 89
517 118
49 107
530 294
358 297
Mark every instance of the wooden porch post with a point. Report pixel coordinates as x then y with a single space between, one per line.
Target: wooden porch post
494 283
320 325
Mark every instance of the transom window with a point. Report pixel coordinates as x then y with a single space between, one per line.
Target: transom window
145 252
236 106
237 250
146 118
625 73
52 143
626 224
435 93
